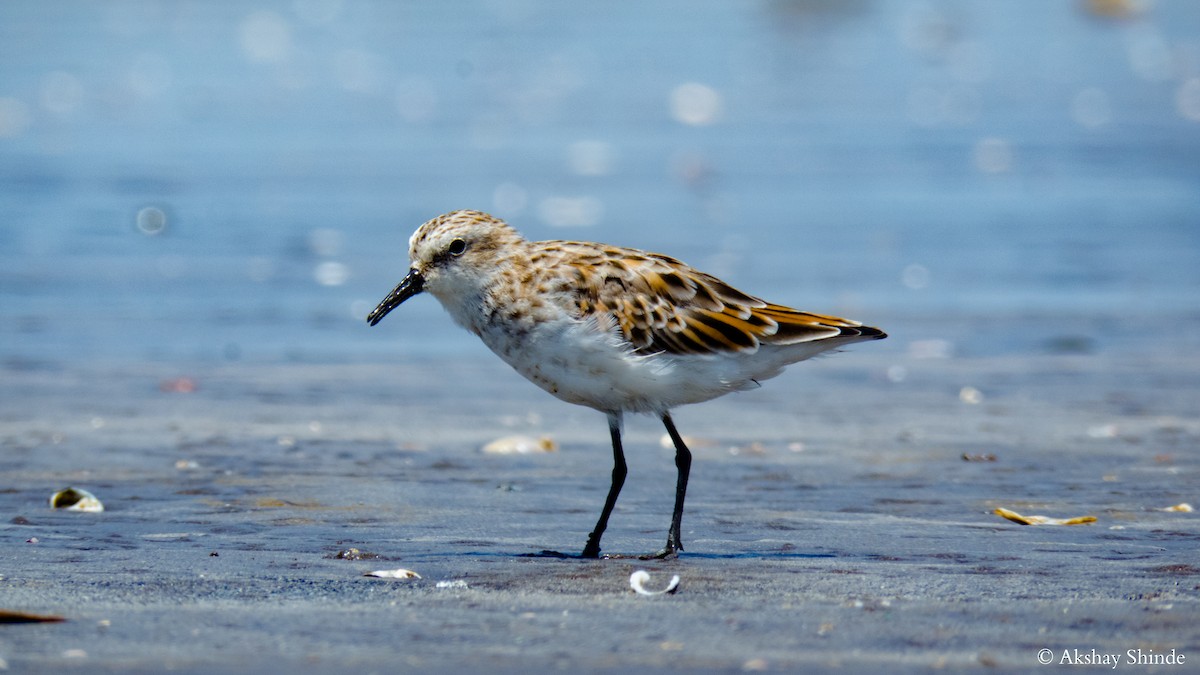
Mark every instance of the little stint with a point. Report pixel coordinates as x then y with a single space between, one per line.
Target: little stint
615 329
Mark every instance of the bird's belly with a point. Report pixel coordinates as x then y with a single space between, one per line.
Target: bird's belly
583 365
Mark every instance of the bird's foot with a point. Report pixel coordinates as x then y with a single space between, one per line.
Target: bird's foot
671 550
592 552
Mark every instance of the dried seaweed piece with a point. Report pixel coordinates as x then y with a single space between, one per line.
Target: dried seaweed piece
1042 520
11 616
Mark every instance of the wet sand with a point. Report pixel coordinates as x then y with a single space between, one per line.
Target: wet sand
832 520
203 200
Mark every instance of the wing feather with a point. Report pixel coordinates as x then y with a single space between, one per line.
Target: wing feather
662 305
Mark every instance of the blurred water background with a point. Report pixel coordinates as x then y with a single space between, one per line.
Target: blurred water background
224 181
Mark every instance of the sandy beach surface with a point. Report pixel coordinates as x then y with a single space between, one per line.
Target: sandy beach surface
201 202
837 520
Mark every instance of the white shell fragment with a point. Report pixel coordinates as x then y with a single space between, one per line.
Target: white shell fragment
456 583
638 580
970 396
520 445
1179 508
394 574
75 499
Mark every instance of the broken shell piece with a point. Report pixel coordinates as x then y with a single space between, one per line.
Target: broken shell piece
75 499
353 554
1042 520
520 445
1179 508
638 580
394 574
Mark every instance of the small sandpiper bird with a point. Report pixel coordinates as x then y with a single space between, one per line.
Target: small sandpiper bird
615 329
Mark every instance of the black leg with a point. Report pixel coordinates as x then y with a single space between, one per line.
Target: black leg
592 549
683 462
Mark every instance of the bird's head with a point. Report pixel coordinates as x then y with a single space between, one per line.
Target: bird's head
452 257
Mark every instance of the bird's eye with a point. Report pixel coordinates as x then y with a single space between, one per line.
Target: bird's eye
457 247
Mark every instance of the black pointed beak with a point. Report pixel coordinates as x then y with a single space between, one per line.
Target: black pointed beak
412 284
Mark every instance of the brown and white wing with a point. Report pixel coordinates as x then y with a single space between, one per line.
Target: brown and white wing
663 305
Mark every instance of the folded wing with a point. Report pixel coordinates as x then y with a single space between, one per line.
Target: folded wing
663 305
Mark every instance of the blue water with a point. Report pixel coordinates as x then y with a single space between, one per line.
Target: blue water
1002 176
